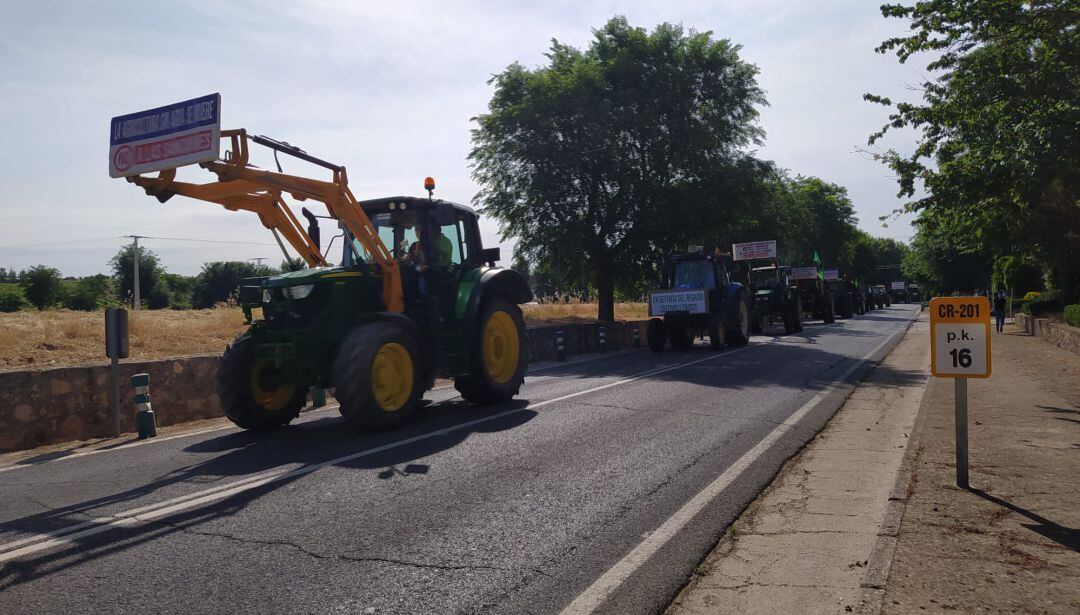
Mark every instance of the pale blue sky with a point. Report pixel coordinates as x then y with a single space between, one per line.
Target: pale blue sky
385 88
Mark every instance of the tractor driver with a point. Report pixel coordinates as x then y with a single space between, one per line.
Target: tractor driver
443 249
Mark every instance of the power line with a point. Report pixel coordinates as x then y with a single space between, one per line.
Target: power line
229 241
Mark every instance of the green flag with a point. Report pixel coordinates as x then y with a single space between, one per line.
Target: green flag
817 263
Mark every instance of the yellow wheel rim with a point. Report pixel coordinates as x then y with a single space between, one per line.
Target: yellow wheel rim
501 347
270 399
392 377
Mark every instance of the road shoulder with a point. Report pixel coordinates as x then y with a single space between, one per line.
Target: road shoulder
819 539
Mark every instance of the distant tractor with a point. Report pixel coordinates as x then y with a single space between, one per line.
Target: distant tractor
416 295
843 294
816 299
776 297
880 297
698 297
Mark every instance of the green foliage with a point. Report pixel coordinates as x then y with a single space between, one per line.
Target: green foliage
1072 314
605 158
12 298
1030 296
152 287
180 289
941 267
292 263
999 149
90 293
218 281
1041 304
42 286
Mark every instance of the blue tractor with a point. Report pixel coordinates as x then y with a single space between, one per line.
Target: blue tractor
698 297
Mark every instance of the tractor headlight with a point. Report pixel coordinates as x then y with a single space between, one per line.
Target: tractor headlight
299 292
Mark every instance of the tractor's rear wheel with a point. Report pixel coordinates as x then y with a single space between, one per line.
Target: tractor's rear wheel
376 376
499 354
655 334
799 317
739 334
251 390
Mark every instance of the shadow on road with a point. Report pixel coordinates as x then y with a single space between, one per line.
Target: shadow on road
438 427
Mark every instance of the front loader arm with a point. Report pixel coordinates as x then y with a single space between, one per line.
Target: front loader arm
241 186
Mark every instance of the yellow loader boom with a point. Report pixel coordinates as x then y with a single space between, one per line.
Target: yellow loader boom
241 186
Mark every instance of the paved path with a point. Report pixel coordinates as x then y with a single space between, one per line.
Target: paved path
600 489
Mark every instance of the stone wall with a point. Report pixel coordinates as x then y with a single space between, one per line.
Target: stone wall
72 403
1057 333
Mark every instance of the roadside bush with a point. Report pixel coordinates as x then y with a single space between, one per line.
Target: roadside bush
42 286
12 298
90 293
1046 303
1072 314
1030 296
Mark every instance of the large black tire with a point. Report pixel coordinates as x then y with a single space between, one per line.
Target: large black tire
655 334
679 338
739 333
757 322
377 376
247 393
716 333
498 355
830 309
799 317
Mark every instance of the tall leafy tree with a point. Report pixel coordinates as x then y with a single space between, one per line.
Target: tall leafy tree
999 147
153 289
42 286
605 158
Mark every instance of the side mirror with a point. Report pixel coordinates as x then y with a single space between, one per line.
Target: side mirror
491 255
313 227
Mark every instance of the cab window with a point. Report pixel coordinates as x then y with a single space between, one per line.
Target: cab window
694 274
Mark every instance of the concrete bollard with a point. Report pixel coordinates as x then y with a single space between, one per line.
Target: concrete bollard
601 341
560 346
637 336
144 418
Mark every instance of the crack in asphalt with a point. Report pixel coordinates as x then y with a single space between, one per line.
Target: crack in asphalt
342 557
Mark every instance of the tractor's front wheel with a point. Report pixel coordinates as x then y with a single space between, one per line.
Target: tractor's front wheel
499 354
716 332
376 376
252 391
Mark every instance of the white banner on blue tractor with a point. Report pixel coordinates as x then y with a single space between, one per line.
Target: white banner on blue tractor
832 274
167 137
695 301
753 249
803 273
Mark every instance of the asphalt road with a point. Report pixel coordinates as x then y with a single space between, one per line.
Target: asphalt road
601 488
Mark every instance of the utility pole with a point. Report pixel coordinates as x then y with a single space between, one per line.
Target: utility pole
135 249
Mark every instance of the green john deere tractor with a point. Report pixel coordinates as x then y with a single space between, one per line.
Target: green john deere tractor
416 295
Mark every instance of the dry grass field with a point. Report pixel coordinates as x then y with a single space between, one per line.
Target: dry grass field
54 338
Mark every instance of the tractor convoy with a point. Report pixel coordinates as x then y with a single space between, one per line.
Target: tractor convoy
410 293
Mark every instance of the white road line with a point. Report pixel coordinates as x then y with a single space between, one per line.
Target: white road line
595 595
41 542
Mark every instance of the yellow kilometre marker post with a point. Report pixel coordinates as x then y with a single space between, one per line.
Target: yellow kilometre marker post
960 349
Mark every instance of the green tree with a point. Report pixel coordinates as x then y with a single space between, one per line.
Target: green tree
12 298
605 158
219 280
292 263
999 149
90 293
180 290
152 287
42 286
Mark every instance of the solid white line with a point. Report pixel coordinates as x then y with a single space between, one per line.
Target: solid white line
591 599
41 542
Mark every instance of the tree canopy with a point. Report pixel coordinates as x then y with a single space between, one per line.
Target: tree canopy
605 158
999 128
